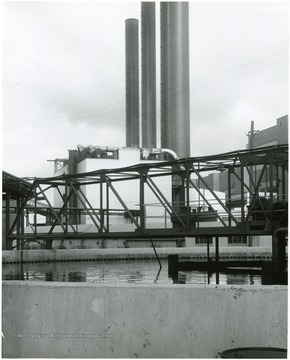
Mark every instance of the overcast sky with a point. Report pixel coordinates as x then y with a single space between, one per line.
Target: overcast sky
64 76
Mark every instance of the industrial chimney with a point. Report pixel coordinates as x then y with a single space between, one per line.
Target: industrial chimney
132 83
148 38
175 100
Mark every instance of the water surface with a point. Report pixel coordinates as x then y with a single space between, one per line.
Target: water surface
116 272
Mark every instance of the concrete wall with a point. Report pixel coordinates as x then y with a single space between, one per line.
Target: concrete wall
68 320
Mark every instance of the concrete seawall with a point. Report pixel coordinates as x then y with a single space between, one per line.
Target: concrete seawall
68 320
18 256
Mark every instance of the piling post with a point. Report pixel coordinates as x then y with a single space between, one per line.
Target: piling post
207 249
279 249
173 265
217 249
217 258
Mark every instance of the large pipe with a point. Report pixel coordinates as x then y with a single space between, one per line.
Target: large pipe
148 38
175 100
171 153
132 83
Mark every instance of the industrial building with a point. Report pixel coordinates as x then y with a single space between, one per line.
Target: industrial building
274 135
86 159
175 134
142 195
213 196
174 139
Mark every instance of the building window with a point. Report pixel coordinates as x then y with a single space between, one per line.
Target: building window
237 240
202 240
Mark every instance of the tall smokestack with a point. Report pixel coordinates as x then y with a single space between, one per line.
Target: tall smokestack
148 38
175 101
132 83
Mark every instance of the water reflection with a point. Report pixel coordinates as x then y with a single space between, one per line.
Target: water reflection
241 279
124 271
158 273
76 276
180 278
49 276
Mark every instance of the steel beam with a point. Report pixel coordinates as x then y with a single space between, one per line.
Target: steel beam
271 157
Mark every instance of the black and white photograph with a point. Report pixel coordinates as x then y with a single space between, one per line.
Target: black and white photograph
144 179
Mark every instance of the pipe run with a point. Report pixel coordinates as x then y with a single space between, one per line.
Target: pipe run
171 153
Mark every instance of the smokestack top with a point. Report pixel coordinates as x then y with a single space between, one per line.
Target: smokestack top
131 20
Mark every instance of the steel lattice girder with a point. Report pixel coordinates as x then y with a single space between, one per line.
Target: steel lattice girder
236 163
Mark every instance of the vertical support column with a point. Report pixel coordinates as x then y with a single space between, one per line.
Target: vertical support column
18 226
208 262
48 217
27 218
229 195
217 249
217 256
271 180
207 248
22 226
252 172
242 192
142 200
7 245
187 198
251 168
108 207
101 205
278 181
283 197
79 218
35 212
66 209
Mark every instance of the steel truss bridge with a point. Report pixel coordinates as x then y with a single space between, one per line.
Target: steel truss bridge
252 200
